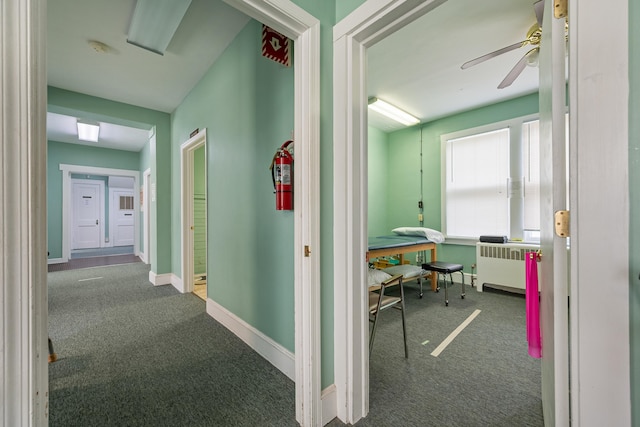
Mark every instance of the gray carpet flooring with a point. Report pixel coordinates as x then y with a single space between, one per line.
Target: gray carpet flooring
485 377
131 354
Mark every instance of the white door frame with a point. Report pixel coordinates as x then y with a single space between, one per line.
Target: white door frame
187 150
101 209
371 22
590 97
554 267
67 170
146 215
599 203
24 400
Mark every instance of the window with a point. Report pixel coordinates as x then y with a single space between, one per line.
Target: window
491 179
477 172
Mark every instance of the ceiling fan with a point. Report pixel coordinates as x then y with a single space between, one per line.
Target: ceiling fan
529 58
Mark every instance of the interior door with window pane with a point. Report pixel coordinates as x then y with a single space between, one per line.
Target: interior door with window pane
123 220
554 277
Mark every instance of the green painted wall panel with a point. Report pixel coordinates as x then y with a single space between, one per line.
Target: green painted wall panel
245 102
199 212
378 153
345 7
404 178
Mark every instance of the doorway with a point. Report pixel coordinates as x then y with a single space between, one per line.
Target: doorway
352 37
82 176
193 207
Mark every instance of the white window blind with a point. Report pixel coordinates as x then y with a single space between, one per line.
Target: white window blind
531 163
477 171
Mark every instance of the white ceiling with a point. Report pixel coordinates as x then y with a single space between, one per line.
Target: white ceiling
417 68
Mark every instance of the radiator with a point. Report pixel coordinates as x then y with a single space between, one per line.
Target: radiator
502 265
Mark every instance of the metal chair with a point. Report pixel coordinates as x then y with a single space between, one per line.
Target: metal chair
379 301
445 268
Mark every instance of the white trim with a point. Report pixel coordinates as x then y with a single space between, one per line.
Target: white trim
599 123
146 226
101 211
67 170
187 150
164 279
55 261
24 390
294 22
329 408
371 22
275 353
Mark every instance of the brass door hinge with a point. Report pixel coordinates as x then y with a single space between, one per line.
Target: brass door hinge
560 8
307 251
562 224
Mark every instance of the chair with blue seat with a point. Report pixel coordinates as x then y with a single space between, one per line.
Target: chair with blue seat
445 268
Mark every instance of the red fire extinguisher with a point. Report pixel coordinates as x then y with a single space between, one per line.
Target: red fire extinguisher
282 177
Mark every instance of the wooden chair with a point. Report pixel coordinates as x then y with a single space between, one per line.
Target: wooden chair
379 301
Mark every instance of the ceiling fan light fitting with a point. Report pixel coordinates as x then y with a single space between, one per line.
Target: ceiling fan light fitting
533 57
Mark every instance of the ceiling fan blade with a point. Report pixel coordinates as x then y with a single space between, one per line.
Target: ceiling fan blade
539 8
493 54
515 72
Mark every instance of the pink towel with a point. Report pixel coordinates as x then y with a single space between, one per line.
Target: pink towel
533 306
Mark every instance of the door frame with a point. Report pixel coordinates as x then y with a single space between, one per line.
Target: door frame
187 150
101 210
368 24
589 98
67 170
146 217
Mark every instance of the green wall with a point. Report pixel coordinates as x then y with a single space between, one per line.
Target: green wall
634 202
378 156
158 155
404 153
75 154
245 102
199 213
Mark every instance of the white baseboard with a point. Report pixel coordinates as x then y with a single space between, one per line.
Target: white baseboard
329 404
56 260
273 352
160 279
177 283
142 256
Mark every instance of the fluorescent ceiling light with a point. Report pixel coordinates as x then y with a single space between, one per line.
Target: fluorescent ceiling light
88 131
392 112
154 22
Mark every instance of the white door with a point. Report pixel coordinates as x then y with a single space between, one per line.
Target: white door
554 277
86 215
122 219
